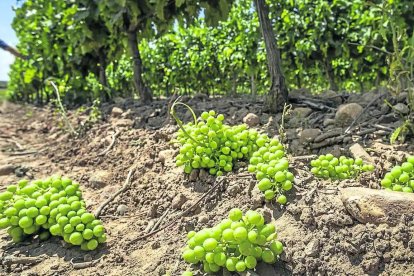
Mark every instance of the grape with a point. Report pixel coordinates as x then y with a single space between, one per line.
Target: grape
250 262
240 234
49 206
235 244
4 223
25 222
209 140
32 212
268 256
41 219
87 234
228 235
210 244
400 178
189 256
76 238
220 258
92 244
282 199
240 266
235 214
328 166
199 252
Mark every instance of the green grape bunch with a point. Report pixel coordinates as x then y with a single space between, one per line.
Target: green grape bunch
210 144
236 243
49 206
270 166
400 178
330 167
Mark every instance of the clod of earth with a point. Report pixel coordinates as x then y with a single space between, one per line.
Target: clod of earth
359 152
377 206
251 120
346 113
116 112
309 135
100 178
401 108
7 169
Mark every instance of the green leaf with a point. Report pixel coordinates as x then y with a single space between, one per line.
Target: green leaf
395 134
179 3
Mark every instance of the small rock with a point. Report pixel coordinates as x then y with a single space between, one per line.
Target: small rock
307 216
87 258
401 108
358 152
328 122
402 97
193 175
7 169
301 112
377 206
165 155
332 96
203 219
155 245
312 249
203 174
119 100
100 178
257 198
346 113
124 123
152 212
251 120
126 114
178 201
54 267
116 112
264 269
385 108
200 97
308 135
122 209
225 272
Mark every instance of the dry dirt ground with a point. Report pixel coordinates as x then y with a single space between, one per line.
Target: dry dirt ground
320 236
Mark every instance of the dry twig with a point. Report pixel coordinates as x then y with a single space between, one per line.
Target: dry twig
160 219
116 134
174 220
10 260
363 111
123 188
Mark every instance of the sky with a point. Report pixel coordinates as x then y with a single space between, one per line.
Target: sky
7 35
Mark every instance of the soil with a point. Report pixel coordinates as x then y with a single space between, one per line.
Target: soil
320 236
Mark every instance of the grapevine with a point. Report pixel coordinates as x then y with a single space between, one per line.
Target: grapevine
51 206
328 166
236 243
400 178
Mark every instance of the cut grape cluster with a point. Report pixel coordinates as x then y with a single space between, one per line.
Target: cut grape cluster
400 178
328 166
49 206
236 243
271 168
210 144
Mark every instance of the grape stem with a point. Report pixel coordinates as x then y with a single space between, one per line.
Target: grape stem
180 123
